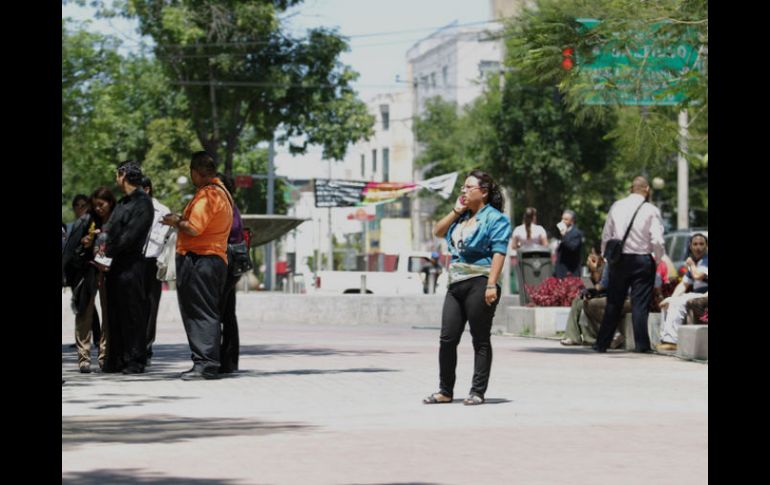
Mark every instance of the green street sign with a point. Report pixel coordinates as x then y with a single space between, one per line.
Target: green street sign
648 75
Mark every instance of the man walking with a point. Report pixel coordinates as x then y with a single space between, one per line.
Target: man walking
636 268
201 265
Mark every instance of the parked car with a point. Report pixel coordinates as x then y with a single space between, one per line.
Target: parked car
404 279
676 244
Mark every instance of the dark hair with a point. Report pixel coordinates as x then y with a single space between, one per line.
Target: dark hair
529 216
228 182
697 234
204 164
494 194
78 198
133 172
147 182
102 193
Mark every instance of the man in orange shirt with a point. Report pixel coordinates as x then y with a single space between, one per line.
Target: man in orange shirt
201 264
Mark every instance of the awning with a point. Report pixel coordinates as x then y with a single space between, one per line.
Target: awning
269 228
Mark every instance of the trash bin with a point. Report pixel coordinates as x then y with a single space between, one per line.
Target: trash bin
534 266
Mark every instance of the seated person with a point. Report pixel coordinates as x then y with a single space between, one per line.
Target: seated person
592 302
430 270
693 285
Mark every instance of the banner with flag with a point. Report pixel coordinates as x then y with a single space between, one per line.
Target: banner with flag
349 193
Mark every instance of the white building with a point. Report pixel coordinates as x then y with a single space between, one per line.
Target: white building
451 63
386 157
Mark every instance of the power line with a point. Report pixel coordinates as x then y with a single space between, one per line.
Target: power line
244 84
357 36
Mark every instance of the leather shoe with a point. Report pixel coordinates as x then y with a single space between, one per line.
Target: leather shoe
196 374
598 350
665 346
85 368
617 341
133 369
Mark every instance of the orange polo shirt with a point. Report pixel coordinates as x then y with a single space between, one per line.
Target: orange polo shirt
211 215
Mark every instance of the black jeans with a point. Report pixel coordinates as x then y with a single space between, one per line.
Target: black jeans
465 302
200 281
638 272
230 341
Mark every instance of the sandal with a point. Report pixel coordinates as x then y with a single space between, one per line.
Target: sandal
437 398
473 400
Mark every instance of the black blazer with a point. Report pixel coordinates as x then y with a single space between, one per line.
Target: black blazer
568 254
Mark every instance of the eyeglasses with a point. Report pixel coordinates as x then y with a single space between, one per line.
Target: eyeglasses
469 187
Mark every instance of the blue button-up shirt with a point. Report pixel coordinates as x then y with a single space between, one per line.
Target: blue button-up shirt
472 256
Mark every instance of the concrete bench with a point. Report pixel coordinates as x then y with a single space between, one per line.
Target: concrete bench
693 342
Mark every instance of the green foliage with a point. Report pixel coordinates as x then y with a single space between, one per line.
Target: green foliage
262 78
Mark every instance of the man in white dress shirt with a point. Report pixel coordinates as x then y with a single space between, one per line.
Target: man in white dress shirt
152 249
636 268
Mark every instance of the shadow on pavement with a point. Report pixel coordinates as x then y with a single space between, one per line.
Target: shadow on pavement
134 476
302 372
81 430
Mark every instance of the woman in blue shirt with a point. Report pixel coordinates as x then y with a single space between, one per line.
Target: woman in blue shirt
477 233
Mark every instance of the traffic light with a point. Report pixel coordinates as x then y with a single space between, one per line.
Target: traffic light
566 62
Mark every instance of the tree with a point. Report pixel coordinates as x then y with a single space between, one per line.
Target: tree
237 69
645 137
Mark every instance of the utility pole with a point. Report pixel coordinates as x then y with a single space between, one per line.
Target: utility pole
330 262
269 247
682 180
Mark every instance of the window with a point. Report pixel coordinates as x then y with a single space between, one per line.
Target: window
424 82
374 161
488 67
445 75
363 165
385 113
386 164
433 79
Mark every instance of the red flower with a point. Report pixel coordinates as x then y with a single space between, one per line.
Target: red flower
705 317
555 292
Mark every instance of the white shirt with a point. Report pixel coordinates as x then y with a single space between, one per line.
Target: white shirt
520 235
157 234
646 235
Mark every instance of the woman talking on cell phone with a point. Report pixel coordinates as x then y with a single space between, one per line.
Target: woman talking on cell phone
477 233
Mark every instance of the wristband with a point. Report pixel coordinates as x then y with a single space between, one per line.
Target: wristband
490 287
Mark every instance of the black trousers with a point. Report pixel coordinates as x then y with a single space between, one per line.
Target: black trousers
127 314
200 282
636 271
465 302
230 342
153 288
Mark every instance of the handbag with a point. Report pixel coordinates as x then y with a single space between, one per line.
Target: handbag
167 258
613 249
238 259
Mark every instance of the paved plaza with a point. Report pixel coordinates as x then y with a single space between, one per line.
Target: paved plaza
340 404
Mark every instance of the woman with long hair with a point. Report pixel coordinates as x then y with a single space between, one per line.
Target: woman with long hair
84 231
529 233
477 233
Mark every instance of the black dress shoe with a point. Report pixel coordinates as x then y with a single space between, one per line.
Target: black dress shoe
133 369
197 375
598 350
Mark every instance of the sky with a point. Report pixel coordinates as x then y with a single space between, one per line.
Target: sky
378 58
381 32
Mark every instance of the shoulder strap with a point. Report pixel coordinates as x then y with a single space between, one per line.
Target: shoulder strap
227 193
631 224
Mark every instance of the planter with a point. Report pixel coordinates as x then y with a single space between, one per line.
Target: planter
537 321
